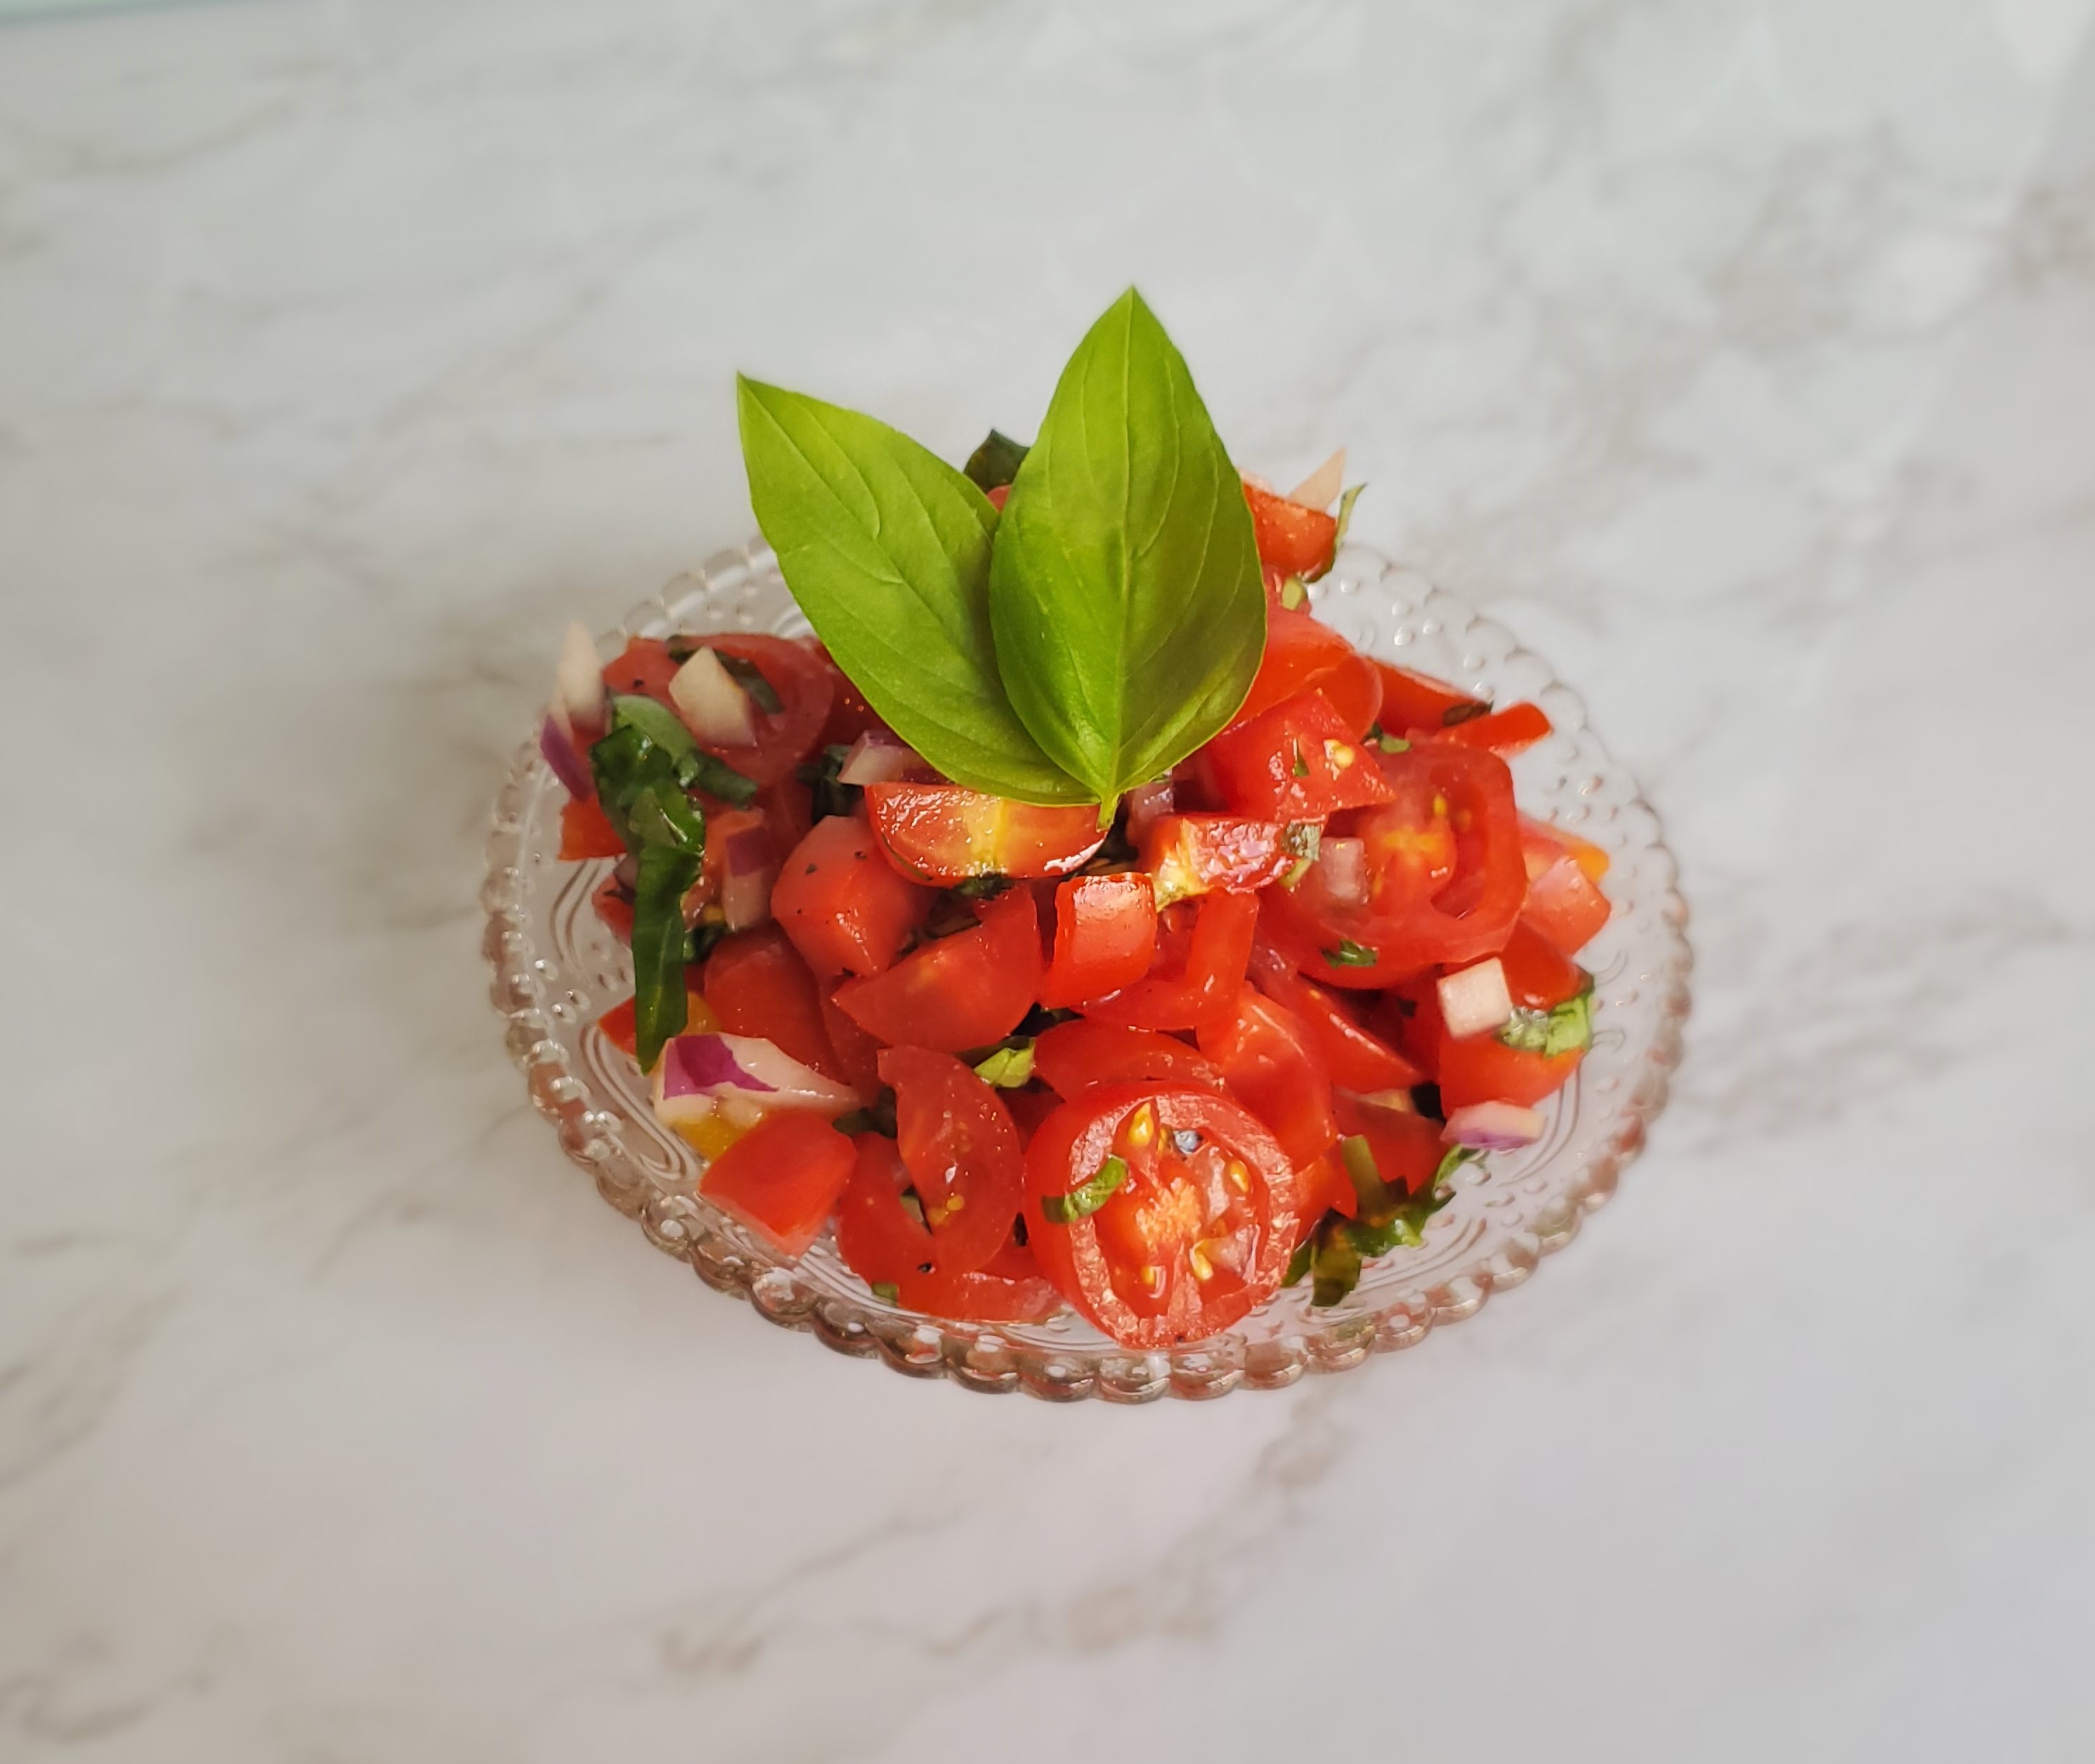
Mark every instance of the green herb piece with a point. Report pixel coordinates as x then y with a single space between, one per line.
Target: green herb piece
879 1118
1467 711
717 778
1455 1157
1345 520
996 463
1041 1018
1009 1067
1124 590
912 1204
1081 1203
887 548
1351 955
1303 839
694 768
659 1009
1339 1247
750 678
1564 1028
1375 1196
981 887
1301 765
704 938
1293 592
1394 744
887 1292
827 794
1334 1264
1298 1263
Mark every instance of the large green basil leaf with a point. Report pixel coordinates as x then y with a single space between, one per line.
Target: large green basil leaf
887 548
667 872
1124 592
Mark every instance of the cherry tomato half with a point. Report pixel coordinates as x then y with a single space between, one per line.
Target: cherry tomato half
1512 730
1105 938
643 669
846 910
1357 1059
1188 854
1413 700
1298 761
880 1239
1292 539
960 1148
756 984
940 833
586 832
802 683
956 992
1267 1057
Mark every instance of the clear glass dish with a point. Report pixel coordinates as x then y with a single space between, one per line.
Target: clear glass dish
556 968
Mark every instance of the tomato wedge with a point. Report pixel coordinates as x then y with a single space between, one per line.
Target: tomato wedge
961 1149
1357 1059
1304 654
1413 700
1266 1053
1105 938
1295 762
940 833
1512 730
958 992
1292 539
1541 844
586 832
881 1241
1564 905
1073 1057
1538 974
982 1296
1198 1231
846 911
1189 854
1198 972
802 683
782 1178
1407 1147
756 984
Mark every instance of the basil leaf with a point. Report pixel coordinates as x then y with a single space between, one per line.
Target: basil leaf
1335 1264
1339 537
1009 1067
750 678
887 1291
1081 1203
694 767
1293 592
1124 589
1298 1263
667 873
827 794
887 548
1564 1028
1351 955
996 463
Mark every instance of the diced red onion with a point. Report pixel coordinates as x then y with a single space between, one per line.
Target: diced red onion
1474 1000
557 743
1148 804
712 702
579 696
876 757
1494 1126
1343 863
696 1072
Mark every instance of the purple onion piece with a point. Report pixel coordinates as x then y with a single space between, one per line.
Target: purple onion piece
569 766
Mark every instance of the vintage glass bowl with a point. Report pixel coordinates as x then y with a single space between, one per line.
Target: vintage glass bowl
556 968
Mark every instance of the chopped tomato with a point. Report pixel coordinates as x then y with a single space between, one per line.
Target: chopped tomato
1541 844
965 991
1483 1069
1105 938
1413 700
1563 904
643 669
961 1149
880 1239
850 716
618 1027
802 683
858 1054
1292 539
980 1297
1357 1059
614 906
1073 1057
756 984
1295 762
1303 654
788 811
1406 1146
845 909
1190 855
1264 1053
1326 1187
1198 1231
1512 730
1445 878
585 831
940 833
1198 972
781 1178
1538 974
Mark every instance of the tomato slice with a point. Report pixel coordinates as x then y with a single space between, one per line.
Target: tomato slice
643 669
846 911
961 991
1200 1231
756 984
1295 762
619 1029
802 683
1482 1069
1413 700
961 1149
1197 974
1265 1054
1292 539
1189 854
1564 905
1304 654
1512 730
586 832
881 1240
1105 938
1357 1059
1445 877
782 1178
1073 1057
940 833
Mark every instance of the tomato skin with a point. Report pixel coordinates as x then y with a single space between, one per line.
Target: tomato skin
586 832
1448 801
1512 730
781 1178
1105 938
1196 976
1413 700
1072 1057
1563 905
1265 1053
756 984
1538 974
642 669
802 682
1292 539
1295 762
1189 854
958 992
1304 654
613 908
1357 1059
961 1149
1231 1206
878 1237
940 833
846 911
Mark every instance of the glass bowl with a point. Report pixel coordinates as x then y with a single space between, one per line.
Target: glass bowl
557 968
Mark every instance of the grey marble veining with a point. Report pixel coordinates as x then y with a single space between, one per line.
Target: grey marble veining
1742 355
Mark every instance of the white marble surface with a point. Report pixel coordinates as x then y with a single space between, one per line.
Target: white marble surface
1742 355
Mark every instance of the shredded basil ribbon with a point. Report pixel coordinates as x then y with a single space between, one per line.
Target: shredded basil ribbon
1562 1029
1081 1203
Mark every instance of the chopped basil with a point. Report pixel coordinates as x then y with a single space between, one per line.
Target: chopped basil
746 675
1564 1028
887 1291
1298 1263
1293 592
1301 765
1009 1067
1345 517
716 778
660 1007
1351 955
912 1204
879 1118
1301 840
982 887
826 795
1339 1246
1081 1202
1392 744
704 938
996 463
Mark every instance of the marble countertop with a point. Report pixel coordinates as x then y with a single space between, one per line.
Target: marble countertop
1742 356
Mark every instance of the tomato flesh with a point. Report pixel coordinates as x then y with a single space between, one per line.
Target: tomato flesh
1407 1147
1073 1057
965 990
1564 905
1304 654
614 906
881 1240
1105 938
782 1178
1357 1059
980 1297
1413 700
940 833
1512 730
1189 854
1538 974
1198 972
846 910
586 831
1199 1231
1295 762
1265 1054
1291 539
756 984
620 1030
643 669
961 1149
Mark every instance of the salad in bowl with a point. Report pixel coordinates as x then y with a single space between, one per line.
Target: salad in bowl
1073 923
